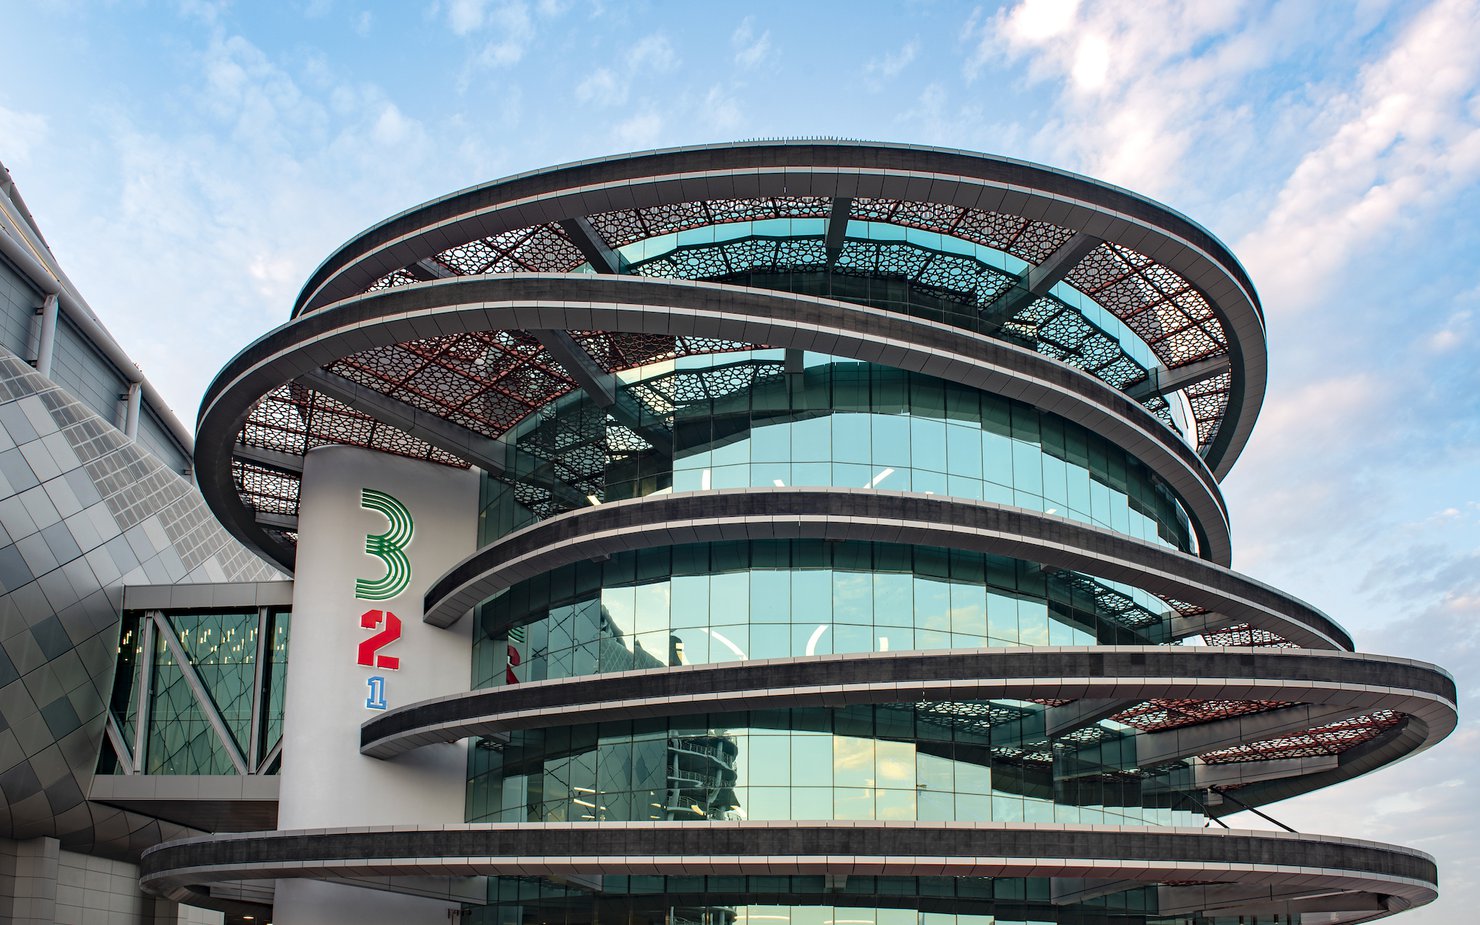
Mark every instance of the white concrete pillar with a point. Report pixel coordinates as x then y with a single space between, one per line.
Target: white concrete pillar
135 397
345 600
28 880
46 336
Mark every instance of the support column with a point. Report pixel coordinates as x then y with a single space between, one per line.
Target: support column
28 880
46 336
366 649
134 398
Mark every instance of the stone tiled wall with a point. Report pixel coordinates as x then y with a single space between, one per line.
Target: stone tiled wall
83 510
41 884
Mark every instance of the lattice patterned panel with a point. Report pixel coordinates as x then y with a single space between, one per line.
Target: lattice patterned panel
1155 302
615 352
1028 240
968 716
392 280
1111 603
1245 635
1209 401
625 226
668 393
294 420
484 381
1053 328
1330 739
266 490
1159 715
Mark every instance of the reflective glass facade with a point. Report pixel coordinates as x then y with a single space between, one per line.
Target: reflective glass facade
739 417
760 418
815 900
695 377
198 711
724 602
927 274
974 761
743 420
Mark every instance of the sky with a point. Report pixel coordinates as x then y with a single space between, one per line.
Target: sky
191 163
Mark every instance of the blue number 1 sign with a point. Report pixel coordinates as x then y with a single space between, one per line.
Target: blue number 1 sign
376 700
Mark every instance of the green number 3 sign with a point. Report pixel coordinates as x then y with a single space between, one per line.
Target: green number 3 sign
389 547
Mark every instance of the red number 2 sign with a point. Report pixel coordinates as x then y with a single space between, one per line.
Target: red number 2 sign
369 654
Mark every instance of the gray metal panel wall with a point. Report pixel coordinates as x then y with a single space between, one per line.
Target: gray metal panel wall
81 370
83 510
156 439
18 303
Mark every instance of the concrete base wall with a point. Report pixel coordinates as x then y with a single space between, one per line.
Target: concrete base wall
40 884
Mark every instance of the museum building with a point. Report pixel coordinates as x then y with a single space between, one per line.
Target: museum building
809 532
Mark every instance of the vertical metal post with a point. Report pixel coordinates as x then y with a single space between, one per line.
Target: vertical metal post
46 337
131 411
146 676
259 668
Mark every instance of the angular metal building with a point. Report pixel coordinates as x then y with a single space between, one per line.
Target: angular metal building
95 493
782 532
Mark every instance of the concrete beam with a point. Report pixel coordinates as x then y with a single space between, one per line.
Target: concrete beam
1231 898
1038 280
429 268
1155 748
1161 381
1058 721
604 389
1198 624
600 385
288 522
492 456
603 258
270 459
837 228
483 452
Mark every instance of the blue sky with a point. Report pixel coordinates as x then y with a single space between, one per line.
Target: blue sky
190 163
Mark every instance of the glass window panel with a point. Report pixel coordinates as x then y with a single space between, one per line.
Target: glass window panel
853 803
811 760
850 438
770 596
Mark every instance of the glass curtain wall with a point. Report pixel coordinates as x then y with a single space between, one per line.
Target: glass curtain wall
221 650
738 420
752 417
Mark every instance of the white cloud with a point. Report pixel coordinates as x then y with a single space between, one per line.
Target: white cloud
652 53
1408 135
1138 83
21 131
510 27
465 16
207 11
891 64
722 110
513 30
641 130
611 85
1036 21
1454 333
750 49
603 87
